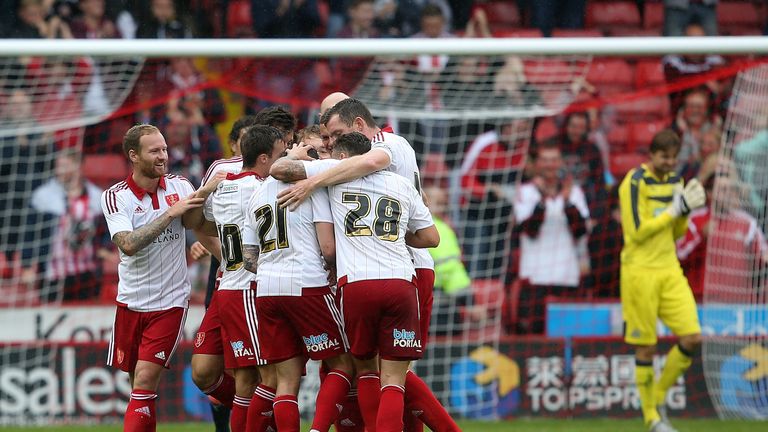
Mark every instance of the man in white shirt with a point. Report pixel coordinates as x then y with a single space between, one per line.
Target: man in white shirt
146 215
551 216
373 216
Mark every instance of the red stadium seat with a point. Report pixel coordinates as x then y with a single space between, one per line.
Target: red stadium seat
501 14
621 163
738 14
618 138
647 109
571 33
239 21
613 14
634 32
517 33
641 134
611 75
653 15
105 170
649 73
547 71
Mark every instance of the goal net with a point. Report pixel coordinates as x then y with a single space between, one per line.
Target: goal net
526 319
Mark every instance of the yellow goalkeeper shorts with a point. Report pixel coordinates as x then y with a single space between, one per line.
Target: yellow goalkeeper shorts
651 294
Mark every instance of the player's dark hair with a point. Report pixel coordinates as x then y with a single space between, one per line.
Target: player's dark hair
550 144
259 140
239 125
431 10
355 3
353 144
348 110
278 117
665 140
132 138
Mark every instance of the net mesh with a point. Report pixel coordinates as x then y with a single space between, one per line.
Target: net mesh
737 253
501 344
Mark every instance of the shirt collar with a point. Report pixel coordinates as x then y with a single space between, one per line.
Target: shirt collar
137 190
231 176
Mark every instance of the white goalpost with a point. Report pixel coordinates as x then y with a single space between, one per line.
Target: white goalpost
468 106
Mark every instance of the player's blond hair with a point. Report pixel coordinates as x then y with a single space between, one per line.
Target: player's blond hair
132 138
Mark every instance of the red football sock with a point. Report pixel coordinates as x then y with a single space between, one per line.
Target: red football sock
223 391
420 401
368 394
239 416
330 399
286 409
350 419
411 423
390 417
260 415
140 414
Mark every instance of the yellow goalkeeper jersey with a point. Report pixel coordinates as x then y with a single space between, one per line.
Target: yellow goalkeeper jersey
649 231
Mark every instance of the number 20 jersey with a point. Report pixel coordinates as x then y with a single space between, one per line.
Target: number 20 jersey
228 208
371 217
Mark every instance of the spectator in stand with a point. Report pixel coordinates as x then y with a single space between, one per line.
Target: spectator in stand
488 172
184 76
739 249
403 18
551 216
708 156
285 18
32 23
679 13
547 15
164 23
93 23
192 144
693 121
360 26
679 67
433 23
66 253
605 243
336 17
582 158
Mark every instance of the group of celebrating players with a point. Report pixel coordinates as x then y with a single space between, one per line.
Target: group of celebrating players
320 259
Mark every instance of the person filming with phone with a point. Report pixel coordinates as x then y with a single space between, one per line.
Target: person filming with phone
551 216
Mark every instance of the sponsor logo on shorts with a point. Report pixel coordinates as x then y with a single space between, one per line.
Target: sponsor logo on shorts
160 355
320 342
405 339
238 347
199 339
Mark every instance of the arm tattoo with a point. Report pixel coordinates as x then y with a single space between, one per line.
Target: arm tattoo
290 171
130 242
251 257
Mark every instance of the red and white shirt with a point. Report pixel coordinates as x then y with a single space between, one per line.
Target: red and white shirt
289 254
229 209
155 278
232 165
403 162
371 217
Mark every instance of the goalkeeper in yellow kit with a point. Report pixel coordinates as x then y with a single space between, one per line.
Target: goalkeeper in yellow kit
654 212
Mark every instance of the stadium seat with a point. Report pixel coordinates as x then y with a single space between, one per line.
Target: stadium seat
649 73
653 15
105 170
611 75
647 109
606 15
572 33
517 33
239 21
621 163
548 71
634 32
501 14
732 14
618 138
641 134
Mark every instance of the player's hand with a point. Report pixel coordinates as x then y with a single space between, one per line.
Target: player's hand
295 195
211 184
198 251
182 206
678 206
299 151
694 195
332 276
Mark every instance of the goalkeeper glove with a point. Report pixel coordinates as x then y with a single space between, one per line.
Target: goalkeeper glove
686 199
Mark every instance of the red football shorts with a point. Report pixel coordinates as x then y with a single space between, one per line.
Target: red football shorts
290 326
425 282
148 336
382 316
237 313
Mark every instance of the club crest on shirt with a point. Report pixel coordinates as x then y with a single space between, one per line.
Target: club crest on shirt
172 199
199 339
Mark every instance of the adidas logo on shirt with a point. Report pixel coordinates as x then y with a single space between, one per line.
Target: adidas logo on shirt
417 413
160 355
139 210
144 411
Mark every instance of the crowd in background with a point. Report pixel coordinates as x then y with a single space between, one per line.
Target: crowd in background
557 235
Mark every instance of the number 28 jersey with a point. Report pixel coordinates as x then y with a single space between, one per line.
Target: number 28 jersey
228 208
371 217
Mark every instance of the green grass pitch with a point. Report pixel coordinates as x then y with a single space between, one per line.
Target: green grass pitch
591 425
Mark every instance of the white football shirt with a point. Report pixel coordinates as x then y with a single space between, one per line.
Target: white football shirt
155 278
403 162
289 254
229 209
371 216
232 165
